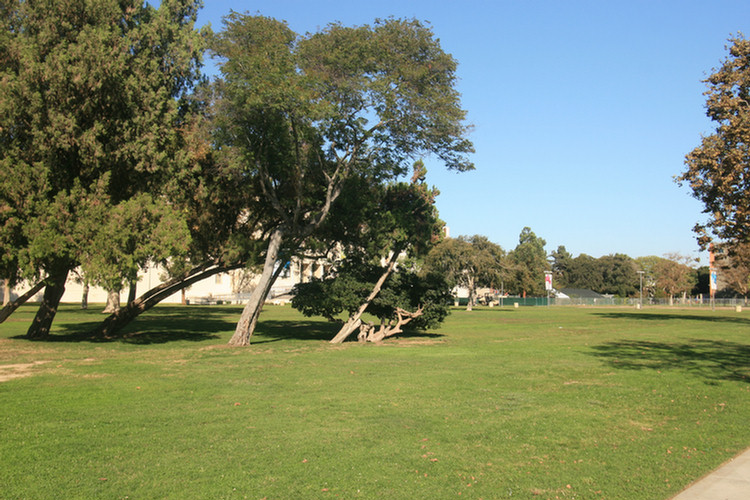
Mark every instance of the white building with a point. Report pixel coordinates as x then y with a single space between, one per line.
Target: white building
229 287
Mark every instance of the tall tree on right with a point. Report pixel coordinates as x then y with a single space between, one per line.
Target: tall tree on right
718 171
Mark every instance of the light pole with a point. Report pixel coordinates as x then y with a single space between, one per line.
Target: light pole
640 276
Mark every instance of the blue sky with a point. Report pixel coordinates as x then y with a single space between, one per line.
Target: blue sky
583 111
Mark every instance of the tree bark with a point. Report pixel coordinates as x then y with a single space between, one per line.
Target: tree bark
132 291
53 292
116 321
355 320
85 296
402 317
113 302
12 306
251 312
472 295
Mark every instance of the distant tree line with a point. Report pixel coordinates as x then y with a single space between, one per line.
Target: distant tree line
474 262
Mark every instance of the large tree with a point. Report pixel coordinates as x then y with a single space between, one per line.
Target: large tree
90 117
469 262
585 272
614 274
301 114
619 275
562 262
406 296
530 262
718 171
673 274
398 224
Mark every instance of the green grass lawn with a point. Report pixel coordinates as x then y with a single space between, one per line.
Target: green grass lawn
540 403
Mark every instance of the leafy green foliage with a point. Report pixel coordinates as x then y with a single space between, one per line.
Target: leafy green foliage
667 276
530 262
91 108
112 254
561 265
610 274
345 292
302 114
468 262
332 296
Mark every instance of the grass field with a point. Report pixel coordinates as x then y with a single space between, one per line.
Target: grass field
540 403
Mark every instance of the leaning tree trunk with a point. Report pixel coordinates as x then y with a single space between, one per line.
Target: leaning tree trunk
53 292
251 312
116 321
355 320
132 291
368 334
12 306
113 302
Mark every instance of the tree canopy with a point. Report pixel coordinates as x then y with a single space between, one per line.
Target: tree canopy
383 233
718 171
610 274
530 262
469 262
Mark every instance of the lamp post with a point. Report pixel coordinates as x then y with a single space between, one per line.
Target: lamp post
640 276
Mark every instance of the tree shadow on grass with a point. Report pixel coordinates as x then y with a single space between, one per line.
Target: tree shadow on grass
198 324
668 316
711 360
172 326
276 330
273 331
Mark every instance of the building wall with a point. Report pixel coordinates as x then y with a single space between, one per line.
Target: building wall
219 286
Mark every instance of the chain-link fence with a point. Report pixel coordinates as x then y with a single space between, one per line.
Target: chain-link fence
698 302
647 301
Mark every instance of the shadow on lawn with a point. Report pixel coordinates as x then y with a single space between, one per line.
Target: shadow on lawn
274 331
169 325
712 360
198 324
668 316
